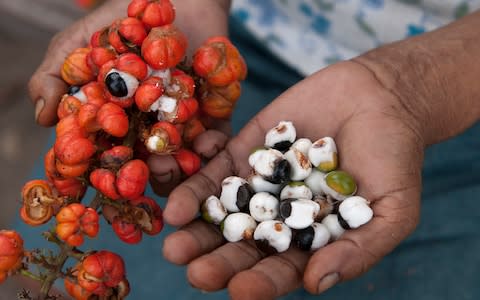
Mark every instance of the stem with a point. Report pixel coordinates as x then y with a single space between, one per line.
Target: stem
55 274
132 134
30 275
96 202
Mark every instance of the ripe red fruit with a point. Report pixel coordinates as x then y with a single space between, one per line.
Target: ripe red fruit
100 271
219 62
132 179
11 252
69 187
164 47
153 13
75 69
116 157
148 92
219 102
113 119
74 221
127 232
71 149
104 181
188 161
68 105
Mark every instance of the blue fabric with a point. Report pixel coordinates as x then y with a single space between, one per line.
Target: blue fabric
441 260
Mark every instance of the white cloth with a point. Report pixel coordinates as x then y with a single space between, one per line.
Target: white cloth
310 34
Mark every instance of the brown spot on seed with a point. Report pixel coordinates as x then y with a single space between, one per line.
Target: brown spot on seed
248 234
281 128
319 144
302 159
278 226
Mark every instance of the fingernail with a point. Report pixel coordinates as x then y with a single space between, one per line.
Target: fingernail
164 178
327 282
38 108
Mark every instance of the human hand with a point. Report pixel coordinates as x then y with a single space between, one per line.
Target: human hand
380 143
47 87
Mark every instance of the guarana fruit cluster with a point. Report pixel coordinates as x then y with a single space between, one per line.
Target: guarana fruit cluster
294 196
132 94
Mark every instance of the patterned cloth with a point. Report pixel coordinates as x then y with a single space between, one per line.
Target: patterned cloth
310 34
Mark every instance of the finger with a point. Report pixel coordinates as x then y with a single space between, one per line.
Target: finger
270 278
184 202
210 143
46 86
191 241
166 174
213 271
358 250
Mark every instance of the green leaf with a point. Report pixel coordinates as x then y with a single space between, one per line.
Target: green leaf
461 10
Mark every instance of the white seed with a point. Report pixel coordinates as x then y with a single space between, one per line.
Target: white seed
130 81
165 75
299 164
276 233
283 132
238 226
322 236
213 210
302 145
315 182
299 214
259 184
333 226
152 143
323 154
266 161
164 104
252 159
229 195
296 190
263 207
80 95
355 211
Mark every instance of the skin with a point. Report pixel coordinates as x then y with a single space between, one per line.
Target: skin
383 108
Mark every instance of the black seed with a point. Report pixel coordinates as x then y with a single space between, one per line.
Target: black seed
285 208
244 194
282 146
281 173
265 247
116 85
342 222
73 90
303 238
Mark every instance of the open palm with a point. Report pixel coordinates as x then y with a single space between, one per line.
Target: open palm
378 144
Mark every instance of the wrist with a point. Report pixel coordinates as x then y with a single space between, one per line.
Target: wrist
434 77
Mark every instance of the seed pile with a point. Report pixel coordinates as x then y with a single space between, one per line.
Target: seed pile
295 195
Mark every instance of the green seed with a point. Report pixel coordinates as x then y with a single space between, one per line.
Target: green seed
341 182
328 166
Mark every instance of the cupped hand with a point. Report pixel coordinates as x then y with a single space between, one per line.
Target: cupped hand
379 143
197 19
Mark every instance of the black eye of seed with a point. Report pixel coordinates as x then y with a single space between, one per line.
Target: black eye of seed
282 146
73 90
244 194
342 222
303 238
285 208
265 247
116 85
281 173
